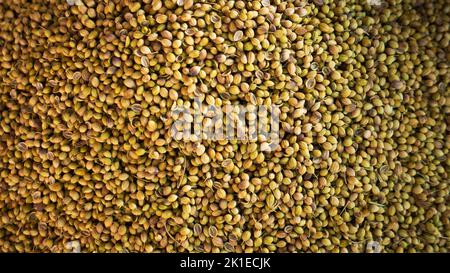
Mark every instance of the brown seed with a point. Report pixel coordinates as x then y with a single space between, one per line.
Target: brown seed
87 110
194 71
398 85
217 241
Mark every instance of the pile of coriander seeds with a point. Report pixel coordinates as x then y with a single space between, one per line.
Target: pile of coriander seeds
88 163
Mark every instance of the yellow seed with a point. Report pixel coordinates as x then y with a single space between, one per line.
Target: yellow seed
90 24
134 7
221 193
152 126
140 196
325 28
172 198
129 83
123 176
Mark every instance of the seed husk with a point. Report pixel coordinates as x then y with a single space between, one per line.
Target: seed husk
212 231
197 229
238 35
